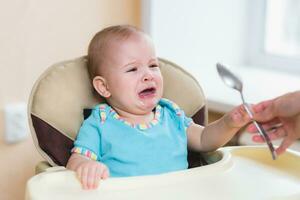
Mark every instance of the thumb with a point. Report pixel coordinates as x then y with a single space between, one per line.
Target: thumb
264 111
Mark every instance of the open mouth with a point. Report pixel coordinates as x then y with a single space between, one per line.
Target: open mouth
148 92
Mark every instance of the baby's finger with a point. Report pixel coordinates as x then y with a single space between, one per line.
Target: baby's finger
97 177
105 173
91 177
79 173
251 128
237 119
84 177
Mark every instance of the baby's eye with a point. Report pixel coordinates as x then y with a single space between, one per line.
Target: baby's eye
132 69
153 66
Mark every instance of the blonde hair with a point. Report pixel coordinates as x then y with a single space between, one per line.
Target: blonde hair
100 43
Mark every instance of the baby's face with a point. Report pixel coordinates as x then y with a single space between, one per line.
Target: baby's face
133 76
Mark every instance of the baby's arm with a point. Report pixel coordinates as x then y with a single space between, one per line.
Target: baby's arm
217 133
89 172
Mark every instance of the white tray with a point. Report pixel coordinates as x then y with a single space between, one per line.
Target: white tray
242 173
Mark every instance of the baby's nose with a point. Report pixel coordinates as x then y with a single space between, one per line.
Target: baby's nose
148 76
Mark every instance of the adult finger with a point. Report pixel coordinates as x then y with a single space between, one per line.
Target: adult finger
264 111
273 135
257 108
284 145
266 126
277 133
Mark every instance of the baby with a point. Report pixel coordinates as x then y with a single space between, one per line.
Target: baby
137 132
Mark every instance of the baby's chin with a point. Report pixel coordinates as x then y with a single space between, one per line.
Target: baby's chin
148 105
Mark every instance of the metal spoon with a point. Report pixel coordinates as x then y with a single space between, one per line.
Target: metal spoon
234 82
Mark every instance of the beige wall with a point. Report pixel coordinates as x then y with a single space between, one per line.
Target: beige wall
35 34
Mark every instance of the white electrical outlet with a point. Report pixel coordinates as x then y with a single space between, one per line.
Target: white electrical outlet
15 122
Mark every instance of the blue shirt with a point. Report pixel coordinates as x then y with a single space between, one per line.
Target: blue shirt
132 150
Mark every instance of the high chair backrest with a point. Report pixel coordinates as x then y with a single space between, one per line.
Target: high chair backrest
64 91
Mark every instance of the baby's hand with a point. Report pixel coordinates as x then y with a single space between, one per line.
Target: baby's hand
237 118
90 173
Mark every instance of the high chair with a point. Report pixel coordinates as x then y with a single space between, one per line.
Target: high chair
61 99
63 95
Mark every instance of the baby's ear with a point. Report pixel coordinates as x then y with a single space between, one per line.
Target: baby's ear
100 86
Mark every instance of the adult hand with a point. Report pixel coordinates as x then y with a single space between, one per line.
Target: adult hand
280 117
